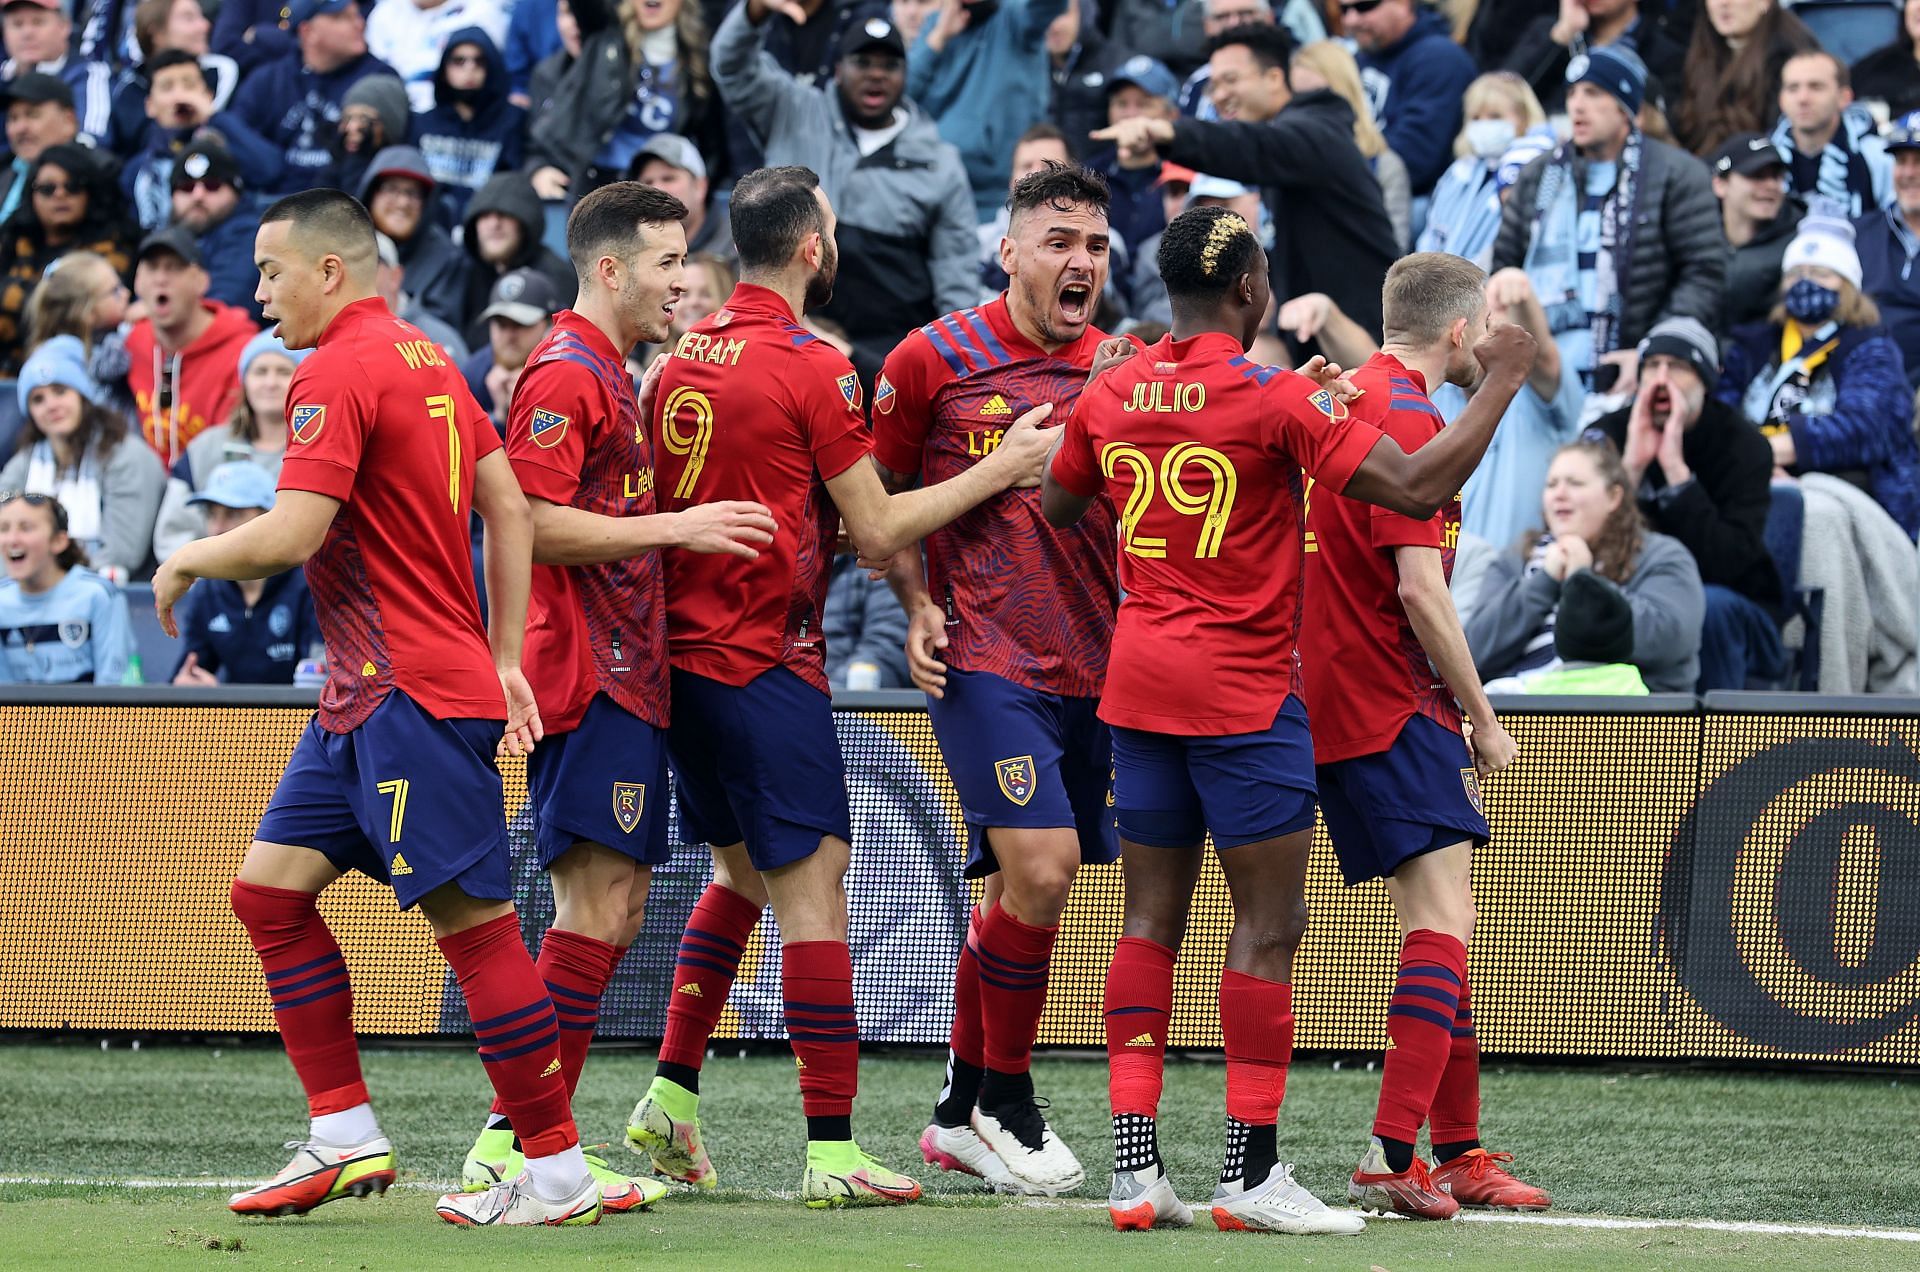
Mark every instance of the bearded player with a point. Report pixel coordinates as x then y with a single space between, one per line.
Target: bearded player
1010 620
752 406
1203 450
1386 668
388 456
596 624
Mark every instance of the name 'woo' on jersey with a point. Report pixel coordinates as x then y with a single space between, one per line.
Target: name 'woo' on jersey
576 439
754 406
1024 601
1365 671
378 420
1202 449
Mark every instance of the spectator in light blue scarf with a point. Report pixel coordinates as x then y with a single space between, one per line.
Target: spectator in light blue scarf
1464 218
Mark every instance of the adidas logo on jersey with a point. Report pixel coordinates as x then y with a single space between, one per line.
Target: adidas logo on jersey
691 987
551 1069
1140 1040
996 405
399 866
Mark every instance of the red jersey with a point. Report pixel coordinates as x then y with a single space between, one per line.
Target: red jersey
1365 670
1025 601
378 420
1202 449
754 406
575 438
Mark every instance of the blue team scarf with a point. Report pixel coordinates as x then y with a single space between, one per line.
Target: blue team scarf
1556 276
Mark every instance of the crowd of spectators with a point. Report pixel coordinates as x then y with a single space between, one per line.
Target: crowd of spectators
1708 219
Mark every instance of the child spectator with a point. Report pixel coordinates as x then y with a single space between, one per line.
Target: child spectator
251 632
60 623
84 297
161 26
108 481
179 105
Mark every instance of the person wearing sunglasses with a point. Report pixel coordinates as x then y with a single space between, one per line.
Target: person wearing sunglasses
60 623
71 205
1416 78
212 202
178 103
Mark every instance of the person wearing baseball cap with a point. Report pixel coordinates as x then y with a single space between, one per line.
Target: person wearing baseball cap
185 352
252 632
1823 379
39 38
294 101
1140 86
39 114
209 199
1889 240
519 311
671 163
1759 217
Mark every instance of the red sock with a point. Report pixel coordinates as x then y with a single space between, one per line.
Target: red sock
518 1034
710 951
1256 1024
1455 1116
968 1038
1430 989
576 969
1012 960
1139 1003
312 1001
817 979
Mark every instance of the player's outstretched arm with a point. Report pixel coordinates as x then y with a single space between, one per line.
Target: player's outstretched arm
508 555
883 524
1429 604
277 540
564 535
1416 485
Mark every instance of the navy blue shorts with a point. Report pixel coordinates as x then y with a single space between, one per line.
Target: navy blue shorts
1023 759
1169 791
405 798
1418 795
758 764
605 782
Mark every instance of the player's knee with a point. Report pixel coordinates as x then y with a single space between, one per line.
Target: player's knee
1041 896
267 913
1278 929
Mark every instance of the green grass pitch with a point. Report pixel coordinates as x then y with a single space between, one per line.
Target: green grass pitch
1661 1144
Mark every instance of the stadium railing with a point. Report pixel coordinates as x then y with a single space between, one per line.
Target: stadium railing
1731 879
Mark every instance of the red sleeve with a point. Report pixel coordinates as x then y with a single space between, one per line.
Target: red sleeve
548 460
1073 464
903 403
1317 429
330 411
1390 529
827 389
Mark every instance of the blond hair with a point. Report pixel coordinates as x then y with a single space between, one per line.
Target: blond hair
1336 66
1502 91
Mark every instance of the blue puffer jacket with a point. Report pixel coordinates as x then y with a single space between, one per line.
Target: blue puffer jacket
1852 414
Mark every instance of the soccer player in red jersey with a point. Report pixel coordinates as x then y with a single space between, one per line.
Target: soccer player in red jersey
1010 645
597 625
1386 669
1203 450
752 406
387 457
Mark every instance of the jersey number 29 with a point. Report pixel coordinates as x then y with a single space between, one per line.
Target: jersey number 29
1215 505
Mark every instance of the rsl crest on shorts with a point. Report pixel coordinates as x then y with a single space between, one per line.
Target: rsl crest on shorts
1016 778
1470 779
629 802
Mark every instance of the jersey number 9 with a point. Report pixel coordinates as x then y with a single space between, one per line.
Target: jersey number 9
1215 505
690 439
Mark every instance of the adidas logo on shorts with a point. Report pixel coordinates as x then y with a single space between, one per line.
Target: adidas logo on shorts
399 866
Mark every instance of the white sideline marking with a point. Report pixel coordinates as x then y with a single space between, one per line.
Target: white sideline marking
1466 1216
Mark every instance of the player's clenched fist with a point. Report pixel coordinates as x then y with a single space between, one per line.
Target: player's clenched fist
1506 349
1027 447
927 633
727 525
1111 353
1493 747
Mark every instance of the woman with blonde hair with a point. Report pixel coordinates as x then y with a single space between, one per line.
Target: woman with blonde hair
1324 64
1464 218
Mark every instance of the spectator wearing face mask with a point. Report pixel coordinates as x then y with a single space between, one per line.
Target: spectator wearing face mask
1464 217
411 36
473 131
1823 380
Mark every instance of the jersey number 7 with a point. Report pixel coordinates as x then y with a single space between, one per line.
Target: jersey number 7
440 407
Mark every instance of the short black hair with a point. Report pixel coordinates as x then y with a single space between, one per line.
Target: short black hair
1062 187
773 211
1204 251
329 217
604 223
1270 46
167 59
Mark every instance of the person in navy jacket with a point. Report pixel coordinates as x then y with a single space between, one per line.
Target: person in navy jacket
253 632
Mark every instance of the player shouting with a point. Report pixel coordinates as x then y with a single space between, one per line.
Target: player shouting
1021 614
1398 784
1202 449
752 406
387 457
597 626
